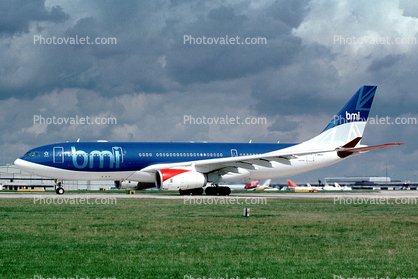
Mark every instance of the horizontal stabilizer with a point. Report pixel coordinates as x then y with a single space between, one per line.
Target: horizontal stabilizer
368 148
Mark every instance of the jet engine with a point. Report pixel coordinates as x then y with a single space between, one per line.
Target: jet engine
133 185
179 179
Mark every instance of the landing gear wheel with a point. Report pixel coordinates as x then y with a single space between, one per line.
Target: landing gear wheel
211 191
194 192
224 191
59 191
197 192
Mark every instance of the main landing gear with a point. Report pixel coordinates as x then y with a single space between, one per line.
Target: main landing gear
218 190
58 188
194 192
213 190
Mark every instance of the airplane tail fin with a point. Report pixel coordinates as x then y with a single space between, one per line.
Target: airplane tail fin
252 184
267 183
291 184
350 122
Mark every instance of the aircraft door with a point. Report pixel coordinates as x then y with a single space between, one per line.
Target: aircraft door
234 153
58 156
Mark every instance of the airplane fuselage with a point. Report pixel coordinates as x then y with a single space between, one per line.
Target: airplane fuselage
125 160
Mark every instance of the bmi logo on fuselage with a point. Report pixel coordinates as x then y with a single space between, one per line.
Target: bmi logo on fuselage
82 159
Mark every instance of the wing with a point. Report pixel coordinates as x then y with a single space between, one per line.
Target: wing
251 162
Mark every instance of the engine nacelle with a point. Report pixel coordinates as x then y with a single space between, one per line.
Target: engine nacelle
179 179
133 185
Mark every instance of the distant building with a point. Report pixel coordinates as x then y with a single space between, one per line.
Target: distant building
354 179
12 178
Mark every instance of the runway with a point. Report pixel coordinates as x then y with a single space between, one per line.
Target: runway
146 195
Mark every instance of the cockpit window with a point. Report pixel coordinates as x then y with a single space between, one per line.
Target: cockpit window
33 154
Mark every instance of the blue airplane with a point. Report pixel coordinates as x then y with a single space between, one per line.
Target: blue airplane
188 167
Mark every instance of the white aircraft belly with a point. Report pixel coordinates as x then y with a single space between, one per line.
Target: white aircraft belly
52 172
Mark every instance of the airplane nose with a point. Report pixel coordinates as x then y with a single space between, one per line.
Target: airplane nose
17 162
22 164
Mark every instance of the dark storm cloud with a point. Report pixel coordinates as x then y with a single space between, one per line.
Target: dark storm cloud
150 55
189 63
290 12
16 15
310 85
283 125
386 62
128 66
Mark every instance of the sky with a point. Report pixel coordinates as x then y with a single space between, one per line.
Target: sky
158 65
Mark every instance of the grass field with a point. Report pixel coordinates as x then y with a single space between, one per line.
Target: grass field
165 238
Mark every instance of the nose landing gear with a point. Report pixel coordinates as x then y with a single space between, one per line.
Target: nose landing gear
58 188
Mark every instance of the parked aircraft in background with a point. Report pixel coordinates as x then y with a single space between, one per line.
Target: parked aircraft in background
294 187
264 187
344 188
188 167
237 187
336 187
269 188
